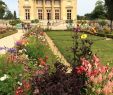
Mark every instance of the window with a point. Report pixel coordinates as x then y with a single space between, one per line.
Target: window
48 2
27 14
48 14
68 14
57 14
40 15
39 2
57 2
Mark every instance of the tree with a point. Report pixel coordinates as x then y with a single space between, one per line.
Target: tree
8 15
109 7
99 12
14 15
3 8
88 16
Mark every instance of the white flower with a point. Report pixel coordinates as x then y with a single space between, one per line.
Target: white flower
20 51
4 77
19 83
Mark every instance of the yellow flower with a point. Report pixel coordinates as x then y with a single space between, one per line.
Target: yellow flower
83 36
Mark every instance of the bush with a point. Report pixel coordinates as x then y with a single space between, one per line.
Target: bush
9 76
35 49
35 21
59 82
14 22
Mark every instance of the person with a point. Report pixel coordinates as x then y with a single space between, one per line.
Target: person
25 26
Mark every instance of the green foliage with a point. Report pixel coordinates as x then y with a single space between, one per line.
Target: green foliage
35 49
14 15
3 8
101 46
99 11
8 15
69 24
102 22
13 72
14 22
109 7
35 21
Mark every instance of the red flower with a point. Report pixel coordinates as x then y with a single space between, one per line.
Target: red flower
26 85
42 61
41 33
80 69
19 91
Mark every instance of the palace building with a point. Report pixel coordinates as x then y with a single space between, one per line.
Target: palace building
44 10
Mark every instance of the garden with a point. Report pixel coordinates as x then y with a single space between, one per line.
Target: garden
31 68
101 46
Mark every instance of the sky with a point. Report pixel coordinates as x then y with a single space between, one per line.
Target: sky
83 6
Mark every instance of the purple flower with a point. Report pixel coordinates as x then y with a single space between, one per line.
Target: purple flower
76 29
11 50
18 43
1 48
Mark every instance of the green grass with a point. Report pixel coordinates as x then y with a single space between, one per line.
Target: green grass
103 48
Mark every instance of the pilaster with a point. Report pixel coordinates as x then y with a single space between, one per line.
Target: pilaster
44 11
53 11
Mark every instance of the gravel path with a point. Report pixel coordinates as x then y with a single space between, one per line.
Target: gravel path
9 41
57 52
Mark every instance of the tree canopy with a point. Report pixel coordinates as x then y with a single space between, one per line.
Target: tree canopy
3 8
109 8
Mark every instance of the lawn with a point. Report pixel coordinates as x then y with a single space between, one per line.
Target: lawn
102 47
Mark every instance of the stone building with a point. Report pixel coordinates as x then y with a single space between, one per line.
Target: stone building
48 10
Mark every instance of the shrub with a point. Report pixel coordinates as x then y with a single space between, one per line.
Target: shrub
58 83
35 49
9 76
35 21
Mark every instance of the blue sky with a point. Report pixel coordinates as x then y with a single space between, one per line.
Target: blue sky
84 6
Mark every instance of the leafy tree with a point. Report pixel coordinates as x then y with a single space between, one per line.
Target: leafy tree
14 15
3 8
88 16
81 17
8 15
99 12
109 7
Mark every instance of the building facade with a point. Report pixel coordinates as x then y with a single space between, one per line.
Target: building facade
44 10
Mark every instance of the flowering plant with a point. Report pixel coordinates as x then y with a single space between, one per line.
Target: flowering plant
100 77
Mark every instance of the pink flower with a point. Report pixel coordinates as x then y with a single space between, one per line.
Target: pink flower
107 90
80 69
100 78
98 91
110 75
92 78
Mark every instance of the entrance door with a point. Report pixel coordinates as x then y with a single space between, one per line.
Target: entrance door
48 14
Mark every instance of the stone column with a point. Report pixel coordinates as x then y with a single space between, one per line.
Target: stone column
61 11
44 11
53 10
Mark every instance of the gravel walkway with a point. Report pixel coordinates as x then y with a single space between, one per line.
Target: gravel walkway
57 52
9 41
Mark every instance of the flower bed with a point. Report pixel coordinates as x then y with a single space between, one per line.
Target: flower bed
30 54
25 69
6 32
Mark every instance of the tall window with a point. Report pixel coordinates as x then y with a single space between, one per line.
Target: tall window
57 2
57 14
27 14
40 15
39 2
69 14
48 14
48 2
